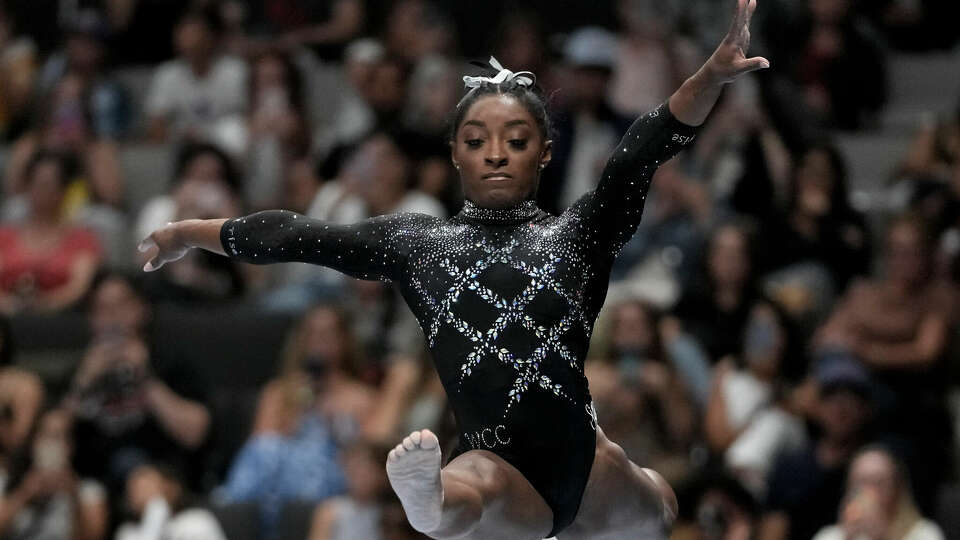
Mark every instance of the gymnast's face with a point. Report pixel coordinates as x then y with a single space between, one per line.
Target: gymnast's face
499 152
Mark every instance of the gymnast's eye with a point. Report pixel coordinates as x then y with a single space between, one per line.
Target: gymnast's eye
519 144
474 143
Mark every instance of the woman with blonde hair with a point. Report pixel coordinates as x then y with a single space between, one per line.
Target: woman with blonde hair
879 503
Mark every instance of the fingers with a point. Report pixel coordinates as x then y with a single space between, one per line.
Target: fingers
153 264
739 17
752 64
146 244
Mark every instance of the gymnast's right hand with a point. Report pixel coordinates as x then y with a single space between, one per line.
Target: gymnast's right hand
167 245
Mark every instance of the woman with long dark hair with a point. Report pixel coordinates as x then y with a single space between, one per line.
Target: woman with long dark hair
507 296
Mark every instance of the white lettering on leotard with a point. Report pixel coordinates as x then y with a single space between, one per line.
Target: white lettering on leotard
488 438
592 413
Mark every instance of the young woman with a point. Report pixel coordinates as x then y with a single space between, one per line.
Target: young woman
507 296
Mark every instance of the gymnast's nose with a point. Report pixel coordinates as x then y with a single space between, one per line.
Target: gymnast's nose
496 156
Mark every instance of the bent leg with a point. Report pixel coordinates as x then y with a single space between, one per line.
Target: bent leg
477 495
621 501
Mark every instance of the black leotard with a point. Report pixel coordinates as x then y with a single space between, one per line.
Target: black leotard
506 298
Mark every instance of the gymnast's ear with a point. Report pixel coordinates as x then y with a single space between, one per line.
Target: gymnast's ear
546 155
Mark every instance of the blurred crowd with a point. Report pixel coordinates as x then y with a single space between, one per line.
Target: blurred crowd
789 360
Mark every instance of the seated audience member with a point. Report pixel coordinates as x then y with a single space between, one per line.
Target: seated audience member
18 67
85 52
359 512
277 132
206 185
158 500
200 95
63 125
838 68
715 308
716 507
878 502
819 224
644 404
748 421
47 263
316 406
45 498
129 411
805 486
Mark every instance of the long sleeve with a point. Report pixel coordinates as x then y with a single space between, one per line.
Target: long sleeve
611 213
375 248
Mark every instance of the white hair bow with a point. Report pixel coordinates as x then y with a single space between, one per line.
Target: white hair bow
524 78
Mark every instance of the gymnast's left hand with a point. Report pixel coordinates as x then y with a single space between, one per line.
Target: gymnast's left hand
730 60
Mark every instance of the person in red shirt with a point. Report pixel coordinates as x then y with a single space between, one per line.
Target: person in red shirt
46 263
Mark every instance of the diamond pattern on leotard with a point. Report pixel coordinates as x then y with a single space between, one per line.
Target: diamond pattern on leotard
510 311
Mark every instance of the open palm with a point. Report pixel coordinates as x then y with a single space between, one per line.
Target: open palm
730 60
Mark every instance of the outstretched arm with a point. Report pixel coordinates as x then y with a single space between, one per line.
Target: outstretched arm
612 212
374 248
695 98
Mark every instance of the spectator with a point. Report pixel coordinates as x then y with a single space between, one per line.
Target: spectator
587 130
806 486
415 29
206 185
129 411
719 508
357 514
18 66
64 125
840 69
156 497
748 420
896 323
715 308
652 58
819 224
324 26
46 498
878 502
201 95
644 404
664 256
48 264
314 407
381 172
277 126
84 54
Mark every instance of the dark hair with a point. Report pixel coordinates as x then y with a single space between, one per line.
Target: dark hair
531 97
192 151
292 78
132 280
64 161
208 16
840 208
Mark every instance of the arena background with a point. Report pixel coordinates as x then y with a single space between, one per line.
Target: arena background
789 299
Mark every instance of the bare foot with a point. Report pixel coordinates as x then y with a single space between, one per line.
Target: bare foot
413 468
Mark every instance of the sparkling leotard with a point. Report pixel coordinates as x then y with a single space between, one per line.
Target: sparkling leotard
506 299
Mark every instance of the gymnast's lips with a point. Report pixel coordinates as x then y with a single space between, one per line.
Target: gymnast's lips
497 176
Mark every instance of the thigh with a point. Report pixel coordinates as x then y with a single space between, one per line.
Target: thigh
620 501
512 508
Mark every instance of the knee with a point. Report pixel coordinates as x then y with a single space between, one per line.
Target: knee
668 497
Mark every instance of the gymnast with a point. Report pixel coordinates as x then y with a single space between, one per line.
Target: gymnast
506 295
